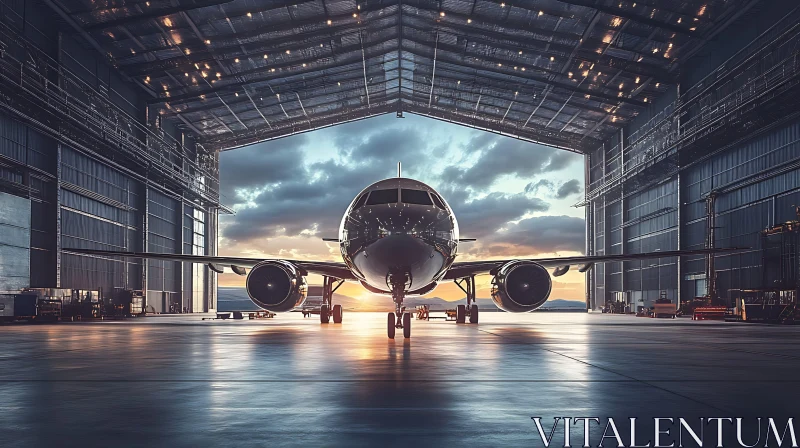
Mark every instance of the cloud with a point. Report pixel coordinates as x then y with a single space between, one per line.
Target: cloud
479 218
390 146
543 184
539 234
259 165
310 200
500 156
311 203
568 188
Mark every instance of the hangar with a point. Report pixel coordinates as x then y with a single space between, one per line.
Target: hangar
114 114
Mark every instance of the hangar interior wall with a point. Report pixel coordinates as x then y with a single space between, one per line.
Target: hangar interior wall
84 164
709 167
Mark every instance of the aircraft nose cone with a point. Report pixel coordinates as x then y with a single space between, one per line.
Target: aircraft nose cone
399 250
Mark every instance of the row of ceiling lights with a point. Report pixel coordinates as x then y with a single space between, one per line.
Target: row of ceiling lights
442 14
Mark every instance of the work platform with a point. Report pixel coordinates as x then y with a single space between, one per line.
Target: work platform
179 381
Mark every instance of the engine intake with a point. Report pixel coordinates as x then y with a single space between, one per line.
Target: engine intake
276 286
521 286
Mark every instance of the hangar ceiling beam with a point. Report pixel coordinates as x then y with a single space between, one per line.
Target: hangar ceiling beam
286 111
364 62
155 14
515 97
433 70
622 12
649 66
255 106
471 24
516 75
275 75
297 85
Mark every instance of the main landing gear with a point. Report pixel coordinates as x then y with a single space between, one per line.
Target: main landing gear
467 284
328 309
398 319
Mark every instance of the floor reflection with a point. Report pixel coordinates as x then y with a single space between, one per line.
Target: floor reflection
291 381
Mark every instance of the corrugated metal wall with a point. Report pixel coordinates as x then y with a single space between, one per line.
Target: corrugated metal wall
87 196
164 227
684 199
100 209
757 184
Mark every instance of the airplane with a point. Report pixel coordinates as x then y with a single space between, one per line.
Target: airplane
399 238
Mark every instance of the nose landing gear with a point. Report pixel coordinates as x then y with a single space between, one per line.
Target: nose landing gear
398 319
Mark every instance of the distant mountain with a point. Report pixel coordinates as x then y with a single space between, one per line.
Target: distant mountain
236 299
562 303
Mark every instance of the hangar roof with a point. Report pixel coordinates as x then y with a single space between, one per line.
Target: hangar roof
565 73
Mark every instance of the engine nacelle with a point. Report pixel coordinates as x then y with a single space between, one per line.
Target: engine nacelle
276 286
521 286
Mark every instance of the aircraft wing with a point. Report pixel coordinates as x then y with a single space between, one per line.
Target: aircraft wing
584 263
329 268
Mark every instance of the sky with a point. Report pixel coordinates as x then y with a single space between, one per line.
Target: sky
515 197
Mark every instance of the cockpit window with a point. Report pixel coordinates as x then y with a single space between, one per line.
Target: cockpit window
417 197
360 201
378 197
438 201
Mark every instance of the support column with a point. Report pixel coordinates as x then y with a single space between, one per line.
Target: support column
212 227
711 273
146 240
589 277
680 230
58 215
181 250
622 217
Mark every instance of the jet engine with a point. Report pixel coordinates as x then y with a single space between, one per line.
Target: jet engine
276 286
521 286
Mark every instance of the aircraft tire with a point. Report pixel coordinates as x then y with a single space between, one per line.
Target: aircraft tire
337 314
324 315
473 314
406 325
390 327
461 314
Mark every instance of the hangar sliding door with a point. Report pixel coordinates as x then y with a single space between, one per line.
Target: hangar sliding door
99 210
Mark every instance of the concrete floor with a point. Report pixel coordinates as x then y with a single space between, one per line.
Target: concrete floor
289 381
